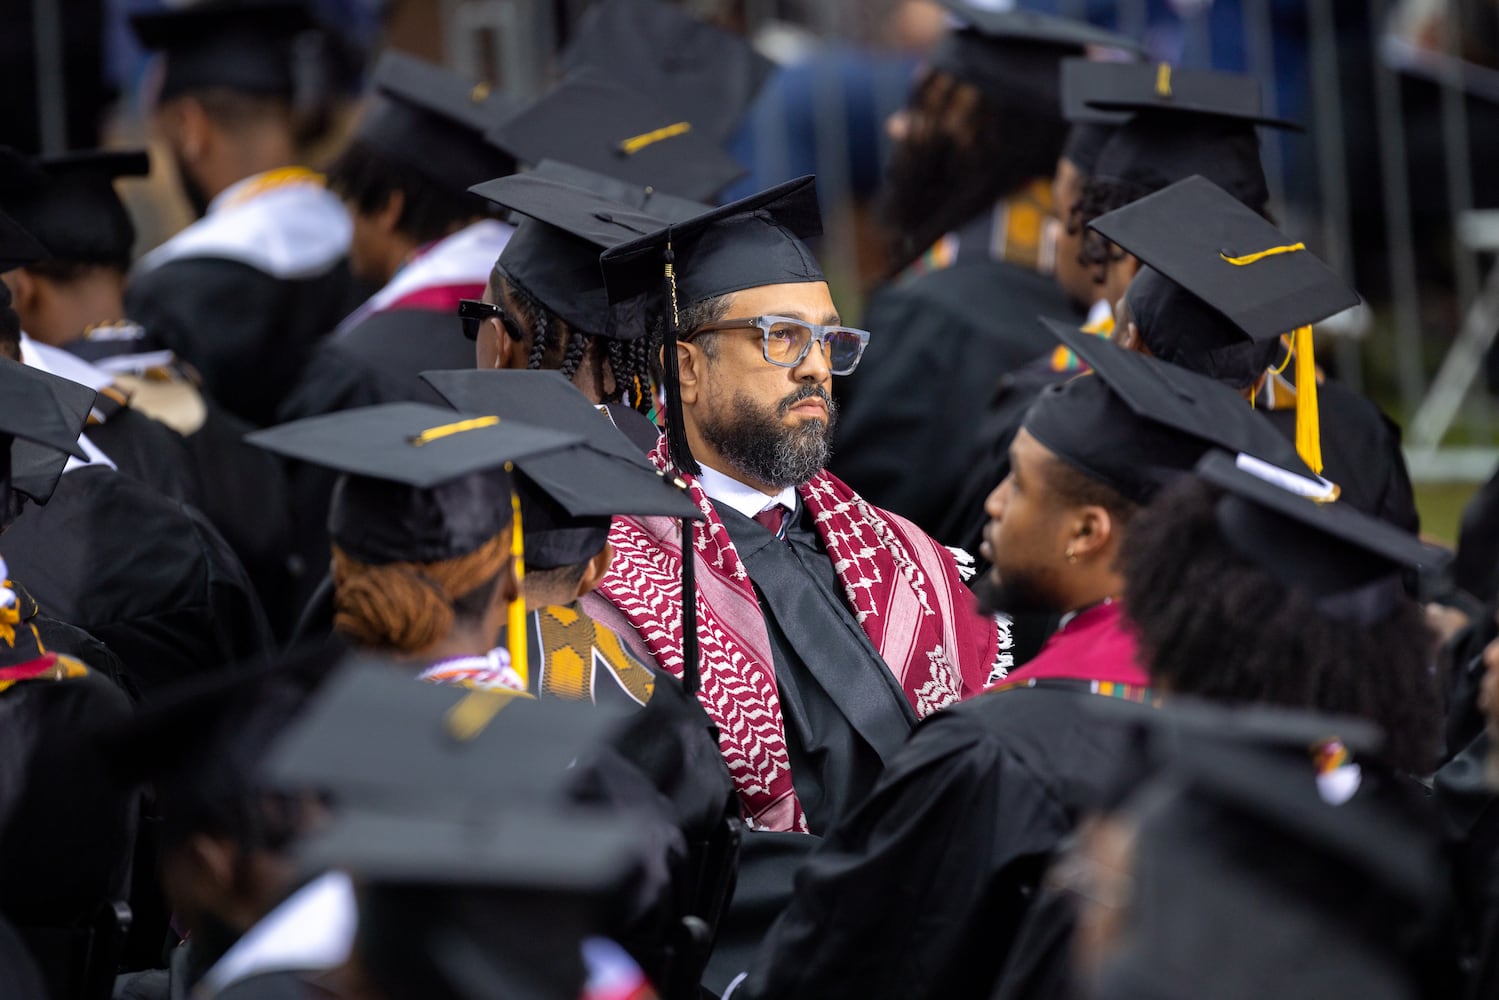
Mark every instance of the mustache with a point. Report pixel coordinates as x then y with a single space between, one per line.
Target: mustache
804 393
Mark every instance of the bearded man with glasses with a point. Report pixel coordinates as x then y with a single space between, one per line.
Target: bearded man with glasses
825 627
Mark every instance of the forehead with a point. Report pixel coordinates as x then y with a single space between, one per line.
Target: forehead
808 300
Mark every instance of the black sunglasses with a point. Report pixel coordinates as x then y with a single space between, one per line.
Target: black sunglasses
472 313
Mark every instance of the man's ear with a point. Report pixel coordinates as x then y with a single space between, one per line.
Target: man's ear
596 570
1092 531
1128 336
215 860
189 122
511 353
24 292
691 366
388 216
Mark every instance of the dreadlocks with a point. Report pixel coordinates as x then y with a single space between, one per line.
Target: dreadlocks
620 368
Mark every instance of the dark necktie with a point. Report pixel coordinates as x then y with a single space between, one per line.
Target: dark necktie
773 518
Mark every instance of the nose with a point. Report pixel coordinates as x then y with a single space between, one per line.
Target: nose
994 504
814 367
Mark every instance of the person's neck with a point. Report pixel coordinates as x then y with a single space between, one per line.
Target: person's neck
547 597
92 300
459 643
1092 593
250 155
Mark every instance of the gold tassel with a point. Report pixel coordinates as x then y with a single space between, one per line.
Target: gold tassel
1308 425
519 660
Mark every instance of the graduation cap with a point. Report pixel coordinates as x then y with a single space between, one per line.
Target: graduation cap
641 197
1247 877
1016 53
419 485
482 909
375 737
1211 248
435 121
69 204
17 247
697 72
567 497
41 417
1131 88
1351 563
591 120
554 252
243 45
1137 421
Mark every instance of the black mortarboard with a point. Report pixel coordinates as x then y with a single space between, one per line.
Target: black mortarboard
1138 421
1247 878
697 72
1076 94
1213 248
554 252
568 496
592 121
375 737
69 204
243 45
421 483
1016 53
1349 562
17 247
435 121
41 416
642 197
1137 87
476 910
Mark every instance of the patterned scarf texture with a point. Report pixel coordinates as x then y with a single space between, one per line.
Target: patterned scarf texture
903 587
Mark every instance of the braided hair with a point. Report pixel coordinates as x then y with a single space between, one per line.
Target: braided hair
555 345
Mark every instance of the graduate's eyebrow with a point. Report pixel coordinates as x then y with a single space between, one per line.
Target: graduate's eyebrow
828 319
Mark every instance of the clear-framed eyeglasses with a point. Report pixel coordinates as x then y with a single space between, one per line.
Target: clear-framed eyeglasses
787 340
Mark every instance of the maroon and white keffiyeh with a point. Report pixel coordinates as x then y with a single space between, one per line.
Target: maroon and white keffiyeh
903 587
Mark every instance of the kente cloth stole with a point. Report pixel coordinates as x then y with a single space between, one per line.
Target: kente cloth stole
902 587
571 654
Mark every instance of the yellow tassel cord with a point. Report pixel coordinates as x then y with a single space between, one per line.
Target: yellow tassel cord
448 430
636 143
1163 80
1308 424
519 660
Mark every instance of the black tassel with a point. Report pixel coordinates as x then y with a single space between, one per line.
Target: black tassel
691 667
676 433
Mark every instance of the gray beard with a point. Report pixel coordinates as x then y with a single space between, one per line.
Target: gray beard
760 447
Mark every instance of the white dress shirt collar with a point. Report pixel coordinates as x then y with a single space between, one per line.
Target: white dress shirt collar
745 499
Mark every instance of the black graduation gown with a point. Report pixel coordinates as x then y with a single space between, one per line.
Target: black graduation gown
60 637
146 450
1476 568
937 344
247 332
845 718
67 825
920 892
149 578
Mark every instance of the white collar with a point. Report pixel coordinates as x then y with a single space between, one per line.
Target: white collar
736 495
312 930
56 361
1098 312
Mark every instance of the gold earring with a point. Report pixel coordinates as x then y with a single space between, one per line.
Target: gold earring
1071 556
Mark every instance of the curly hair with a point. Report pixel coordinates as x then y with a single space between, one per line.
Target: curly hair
555 345
1215 625
405 608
